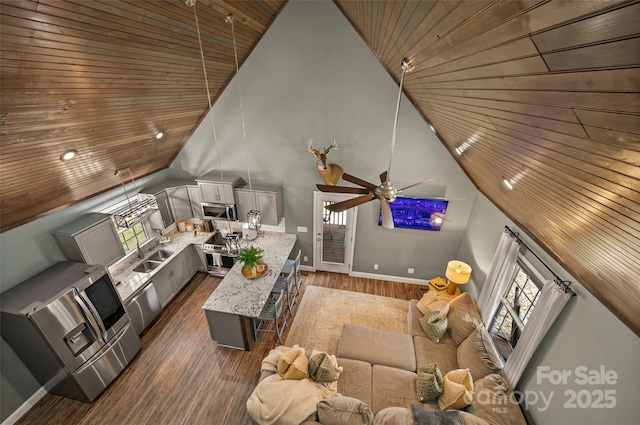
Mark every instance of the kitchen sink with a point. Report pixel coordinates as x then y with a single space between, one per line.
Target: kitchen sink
161 255
146 266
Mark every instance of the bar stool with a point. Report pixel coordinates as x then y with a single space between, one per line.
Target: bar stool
271 312
294 265
286 284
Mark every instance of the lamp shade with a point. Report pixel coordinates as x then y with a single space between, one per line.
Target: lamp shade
458 272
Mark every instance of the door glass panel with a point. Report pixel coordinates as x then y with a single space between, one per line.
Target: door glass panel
334 227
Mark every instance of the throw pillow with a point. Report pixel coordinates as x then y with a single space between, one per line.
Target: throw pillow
431 302
463 317
322 368
458 390
293 364
344 410
478 354
433 325
429 382
425 417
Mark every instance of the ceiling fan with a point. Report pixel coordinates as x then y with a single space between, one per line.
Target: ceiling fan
385 191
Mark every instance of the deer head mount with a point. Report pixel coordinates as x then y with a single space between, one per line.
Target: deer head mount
330 173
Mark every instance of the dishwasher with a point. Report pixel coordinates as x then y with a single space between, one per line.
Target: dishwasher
143 307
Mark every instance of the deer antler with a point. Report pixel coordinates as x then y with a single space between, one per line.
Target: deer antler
333 145
311 149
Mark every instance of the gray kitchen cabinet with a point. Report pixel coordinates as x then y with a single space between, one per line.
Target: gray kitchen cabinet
180 204
164 288
199 258
218 190
268 200
195 199
179 274
92 239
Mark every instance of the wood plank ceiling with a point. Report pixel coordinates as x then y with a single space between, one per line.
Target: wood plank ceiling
103 77
543 94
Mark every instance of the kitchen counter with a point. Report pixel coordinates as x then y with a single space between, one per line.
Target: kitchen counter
237 299
131 282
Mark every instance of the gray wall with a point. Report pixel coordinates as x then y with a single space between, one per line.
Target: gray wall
312 76
585 335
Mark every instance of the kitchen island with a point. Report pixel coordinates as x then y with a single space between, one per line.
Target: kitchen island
237 299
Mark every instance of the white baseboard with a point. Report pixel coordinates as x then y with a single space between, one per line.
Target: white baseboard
25 407
376 276
390 278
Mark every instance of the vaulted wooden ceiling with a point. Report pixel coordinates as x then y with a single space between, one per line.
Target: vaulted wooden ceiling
543 94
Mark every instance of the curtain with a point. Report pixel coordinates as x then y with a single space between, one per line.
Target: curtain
502 269
549 305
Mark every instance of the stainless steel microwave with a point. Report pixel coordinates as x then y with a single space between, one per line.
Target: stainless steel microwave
220 211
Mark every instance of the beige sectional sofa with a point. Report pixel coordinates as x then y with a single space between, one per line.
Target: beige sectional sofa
379 372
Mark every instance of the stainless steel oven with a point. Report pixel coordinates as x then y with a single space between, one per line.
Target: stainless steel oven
219 261
220 211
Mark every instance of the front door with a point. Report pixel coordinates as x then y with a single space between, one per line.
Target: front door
335 232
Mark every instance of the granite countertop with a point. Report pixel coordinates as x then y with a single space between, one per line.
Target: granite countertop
130 281
246 297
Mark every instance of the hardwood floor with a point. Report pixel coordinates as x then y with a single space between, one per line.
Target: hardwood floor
181 376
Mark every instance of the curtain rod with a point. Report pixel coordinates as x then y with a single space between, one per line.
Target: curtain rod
562 283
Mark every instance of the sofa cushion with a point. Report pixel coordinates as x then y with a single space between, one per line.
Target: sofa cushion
494 402
463 317
355 379
413 319
433 325
430 302
443 353
478 354
429 382
393 387
458 390
394 416
344 410
377 347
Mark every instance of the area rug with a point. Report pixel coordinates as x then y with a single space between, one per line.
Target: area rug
323 311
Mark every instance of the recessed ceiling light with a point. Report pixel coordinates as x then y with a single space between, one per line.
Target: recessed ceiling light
458 150
70 154
159 135
507 183
432 128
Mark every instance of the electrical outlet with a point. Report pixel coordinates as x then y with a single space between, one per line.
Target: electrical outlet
375 267
410 271
305 258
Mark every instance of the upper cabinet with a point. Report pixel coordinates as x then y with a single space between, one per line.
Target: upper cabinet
266 198
174 203
195 199
93 240
218 190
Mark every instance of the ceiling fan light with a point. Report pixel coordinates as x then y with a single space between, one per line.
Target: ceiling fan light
68 155
159 135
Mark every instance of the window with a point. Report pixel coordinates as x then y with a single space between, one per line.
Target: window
129 236
516 307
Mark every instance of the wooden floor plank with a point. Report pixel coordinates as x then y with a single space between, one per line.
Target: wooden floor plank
181 376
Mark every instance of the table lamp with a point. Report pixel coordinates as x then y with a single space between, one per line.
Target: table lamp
458 273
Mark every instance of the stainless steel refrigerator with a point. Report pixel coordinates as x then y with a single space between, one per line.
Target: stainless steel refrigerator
69 327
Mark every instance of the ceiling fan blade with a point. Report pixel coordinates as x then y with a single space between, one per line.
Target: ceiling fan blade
350 203
415 184
359 182
383 177
341 189
387 217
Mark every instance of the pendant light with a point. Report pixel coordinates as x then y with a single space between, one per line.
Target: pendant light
192 3
253 217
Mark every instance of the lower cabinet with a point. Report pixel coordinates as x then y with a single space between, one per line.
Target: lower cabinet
169 280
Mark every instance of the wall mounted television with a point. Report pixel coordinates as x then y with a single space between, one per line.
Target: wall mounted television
416 213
